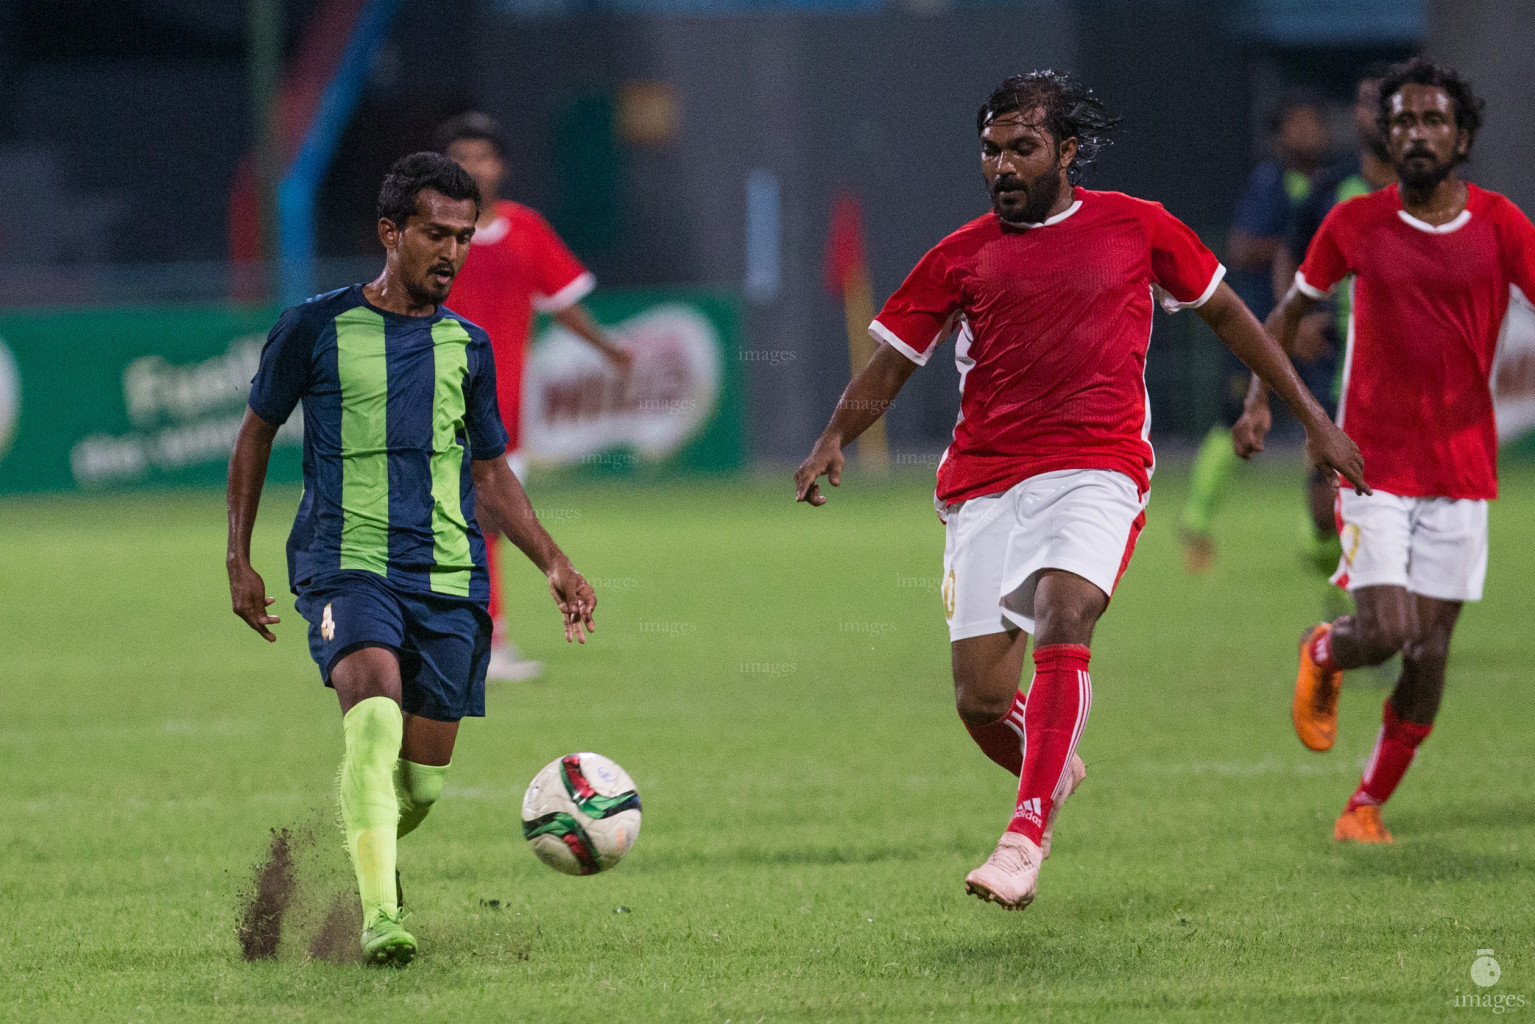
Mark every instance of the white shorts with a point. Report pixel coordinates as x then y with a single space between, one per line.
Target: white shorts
1436 547
1084 521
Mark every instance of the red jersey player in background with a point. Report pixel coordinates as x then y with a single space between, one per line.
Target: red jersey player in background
1044 487
517 266
1433 260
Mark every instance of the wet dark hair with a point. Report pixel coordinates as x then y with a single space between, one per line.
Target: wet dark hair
1421 71
471 125
411 174
1071 112
1291 100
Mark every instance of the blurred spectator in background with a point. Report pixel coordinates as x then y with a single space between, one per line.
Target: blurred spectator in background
1257 243
517 266
1363 171
1275 189
1324 333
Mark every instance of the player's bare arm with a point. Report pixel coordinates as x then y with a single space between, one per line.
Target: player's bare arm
1310 340
1284 326
247 473
865 400
502 505
579 321
1328 446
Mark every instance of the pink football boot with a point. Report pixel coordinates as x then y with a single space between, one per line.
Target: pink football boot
1009 875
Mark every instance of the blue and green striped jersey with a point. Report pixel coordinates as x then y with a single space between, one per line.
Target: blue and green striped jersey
395 407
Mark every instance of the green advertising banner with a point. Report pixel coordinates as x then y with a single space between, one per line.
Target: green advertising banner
125 398
129 397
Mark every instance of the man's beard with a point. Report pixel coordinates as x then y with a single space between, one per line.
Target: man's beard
1422 177
1040 196
427 292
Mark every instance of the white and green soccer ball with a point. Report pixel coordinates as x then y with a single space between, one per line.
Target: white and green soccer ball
581 814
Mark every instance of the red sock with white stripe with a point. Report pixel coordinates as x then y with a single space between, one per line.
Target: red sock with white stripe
1058 704
1320 646
1395 746
492 567
1002 740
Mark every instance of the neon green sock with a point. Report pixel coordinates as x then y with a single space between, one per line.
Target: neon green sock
1213 467
369 810
418 786
1323 551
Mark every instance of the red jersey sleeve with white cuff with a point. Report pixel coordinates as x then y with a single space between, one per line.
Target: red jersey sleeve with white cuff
1055 319
1325 264
1186 272
560 279
922 311
1518 248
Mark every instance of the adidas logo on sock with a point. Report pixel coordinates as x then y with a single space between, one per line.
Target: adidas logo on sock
1030 810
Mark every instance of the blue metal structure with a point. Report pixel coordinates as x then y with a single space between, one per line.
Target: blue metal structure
295 194
1333 22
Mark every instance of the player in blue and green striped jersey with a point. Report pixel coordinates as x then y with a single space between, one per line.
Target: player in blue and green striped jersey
403 460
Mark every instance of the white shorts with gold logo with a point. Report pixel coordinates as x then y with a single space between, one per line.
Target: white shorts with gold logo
1436 547
1084 521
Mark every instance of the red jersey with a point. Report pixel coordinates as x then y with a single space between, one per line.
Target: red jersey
516 266
1428 304
1054 320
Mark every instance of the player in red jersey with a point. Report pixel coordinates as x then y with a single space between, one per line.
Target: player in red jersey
517 266
1044 487
1433 260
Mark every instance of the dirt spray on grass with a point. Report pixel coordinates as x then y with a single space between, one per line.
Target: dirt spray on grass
336 940
267 900
301 900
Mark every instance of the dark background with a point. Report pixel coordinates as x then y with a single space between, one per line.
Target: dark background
121 125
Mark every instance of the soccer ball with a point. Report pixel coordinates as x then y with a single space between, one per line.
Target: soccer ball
581 814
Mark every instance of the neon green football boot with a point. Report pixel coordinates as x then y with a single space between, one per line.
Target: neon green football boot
386 942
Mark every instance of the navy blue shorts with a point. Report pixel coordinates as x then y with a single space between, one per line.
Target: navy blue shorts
442 641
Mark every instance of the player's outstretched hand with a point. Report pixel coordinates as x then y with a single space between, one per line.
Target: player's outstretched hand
825 459
247 592
1248 432
576 599
1330 448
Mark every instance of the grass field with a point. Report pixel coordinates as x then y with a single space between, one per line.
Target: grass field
776 680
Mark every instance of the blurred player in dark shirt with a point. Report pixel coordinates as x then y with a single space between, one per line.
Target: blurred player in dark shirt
1366 169
1322 336
1257 241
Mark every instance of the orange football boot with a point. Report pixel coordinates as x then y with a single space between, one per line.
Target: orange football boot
1361 825
1315 707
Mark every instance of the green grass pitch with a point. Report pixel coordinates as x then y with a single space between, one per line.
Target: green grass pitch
776 680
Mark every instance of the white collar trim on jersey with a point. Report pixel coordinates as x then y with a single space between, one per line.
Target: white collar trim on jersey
1437 229
493 234
1073 208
